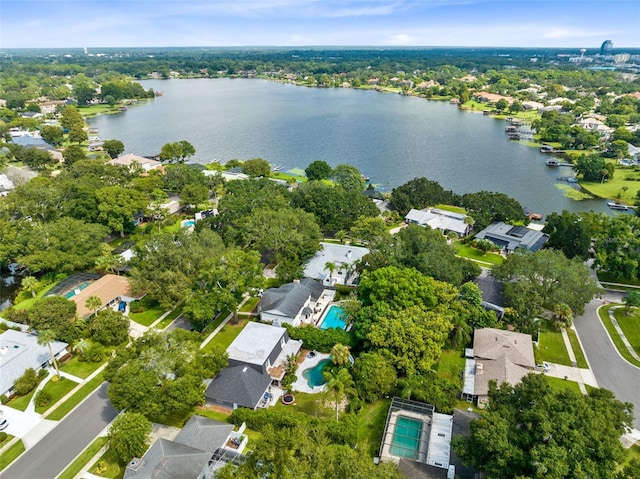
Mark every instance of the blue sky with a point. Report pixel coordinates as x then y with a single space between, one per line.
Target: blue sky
139 23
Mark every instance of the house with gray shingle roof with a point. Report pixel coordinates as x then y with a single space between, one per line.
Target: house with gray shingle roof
20 351
291 303
509 237
188 456
441 220
497 355
257 359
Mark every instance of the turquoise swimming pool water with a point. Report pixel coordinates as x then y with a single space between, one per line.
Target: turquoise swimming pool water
334 318
406 438
314 375
72 293
187 223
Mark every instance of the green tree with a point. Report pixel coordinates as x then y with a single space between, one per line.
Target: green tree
57 314
349 177
72 154
591 167
71 118
30 283
431 388
569 232
339 385
35 158
46 337
340 354
562 315
109 327
502 104
177 152
318 170
113 147
531 430
54 135
374 376
117 205
368 230
129 436
420 193
256 168
486 207
78 135
93 303
631 300
194 195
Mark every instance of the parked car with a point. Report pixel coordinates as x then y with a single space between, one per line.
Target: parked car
3 424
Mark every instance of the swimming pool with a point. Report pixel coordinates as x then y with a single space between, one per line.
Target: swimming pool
76 290
188 223
406 437
334 318
314 375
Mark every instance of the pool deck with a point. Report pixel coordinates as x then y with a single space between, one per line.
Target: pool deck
300 383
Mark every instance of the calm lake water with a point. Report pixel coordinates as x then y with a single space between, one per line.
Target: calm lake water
388 137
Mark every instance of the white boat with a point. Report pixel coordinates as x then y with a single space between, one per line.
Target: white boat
552 162
617 206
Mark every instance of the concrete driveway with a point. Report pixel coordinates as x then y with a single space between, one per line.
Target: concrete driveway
20 423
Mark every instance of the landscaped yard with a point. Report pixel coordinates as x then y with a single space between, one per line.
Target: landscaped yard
11 454
577 350
107 466
169 318
21 402
62 410
74 468
311 404
57 389
615 337
226 335
451 364
551 348
562 384
249 305
466 251
614 189
7 438
81 369
371 421
150 312
630 326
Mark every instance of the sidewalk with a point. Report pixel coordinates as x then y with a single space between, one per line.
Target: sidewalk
626 342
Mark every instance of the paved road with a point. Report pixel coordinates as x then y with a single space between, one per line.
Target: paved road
610 369
50 456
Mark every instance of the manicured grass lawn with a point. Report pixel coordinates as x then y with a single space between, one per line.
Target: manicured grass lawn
371 420
450 365
312 405
552 349
623 177
561 384
75 467
62 410
630 326
216 322
6 439
11 454
249 305
226 335
170 317
148 316
453 209
29 302
57 390
107 466
466 251
615 337
21 402
81 369
577 350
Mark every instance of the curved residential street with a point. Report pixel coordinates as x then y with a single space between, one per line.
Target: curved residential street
610 369
51 455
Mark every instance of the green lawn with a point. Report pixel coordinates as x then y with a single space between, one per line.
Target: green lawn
615 337
177 311
552 349
450 365
577 350
250 305
561 384
623 177
58 390
6 439
81 461
147 317
371 421
632 453
222 417
630 326
62 410
107 466
21 402
466 251
312 405
29 302
11 454
215 323
226 335
81 369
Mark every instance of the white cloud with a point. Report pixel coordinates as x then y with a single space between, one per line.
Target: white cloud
398 39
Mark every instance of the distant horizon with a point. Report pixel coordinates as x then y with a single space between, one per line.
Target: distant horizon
571 24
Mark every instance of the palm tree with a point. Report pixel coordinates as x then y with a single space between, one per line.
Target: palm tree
30 283
46 336
563 316
340 354
339 385
82 347
341 235
331 267
93 303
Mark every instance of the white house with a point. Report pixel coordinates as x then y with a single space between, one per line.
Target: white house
441 220
343 257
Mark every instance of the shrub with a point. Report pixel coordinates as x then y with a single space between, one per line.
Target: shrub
42 398
4 399
3 436
42 373
26 383
318 339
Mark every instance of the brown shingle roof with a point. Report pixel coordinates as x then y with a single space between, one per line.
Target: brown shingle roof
107 288
490 343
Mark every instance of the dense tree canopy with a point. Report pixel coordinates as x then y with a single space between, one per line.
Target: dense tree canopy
256 167
420 193
486 207
129 436
177 152
318 170
532 430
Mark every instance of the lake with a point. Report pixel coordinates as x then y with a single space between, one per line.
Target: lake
388 137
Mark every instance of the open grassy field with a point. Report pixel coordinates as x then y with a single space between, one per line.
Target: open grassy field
624 177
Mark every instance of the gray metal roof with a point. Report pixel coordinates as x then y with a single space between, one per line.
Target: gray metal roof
20 351
512 237
241 385
168 460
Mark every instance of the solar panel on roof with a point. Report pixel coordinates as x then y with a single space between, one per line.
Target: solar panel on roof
518 231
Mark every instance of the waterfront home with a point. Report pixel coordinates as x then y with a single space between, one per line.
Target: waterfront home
20 351
130 161
509 238
342 258
441 220
257 361
486 97
292 303
497 355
